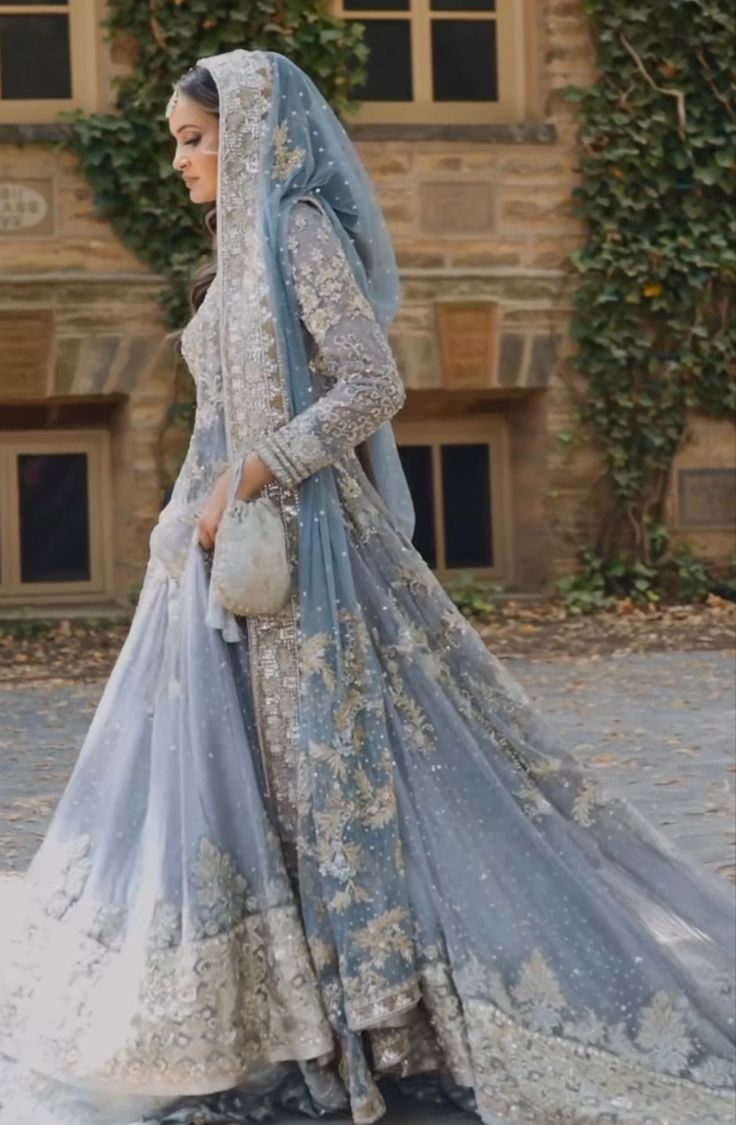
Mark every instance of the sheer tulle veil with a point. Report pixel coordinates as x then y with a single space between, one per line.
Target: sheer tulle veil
281 142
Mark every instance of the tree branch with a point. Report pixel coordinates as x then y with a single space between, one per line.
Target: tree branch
670 91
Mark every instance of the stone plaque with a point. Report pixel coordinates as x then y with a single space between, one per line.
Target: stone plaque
457 208
706 498
25 354
26 208
469 344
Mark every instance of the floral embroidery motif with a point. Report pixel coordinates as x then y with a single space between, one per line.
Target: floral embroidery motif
386 934
589 797
534 801
657 1052
355 359
59 883
663 1035
221 890
286 159
538 994
191 1029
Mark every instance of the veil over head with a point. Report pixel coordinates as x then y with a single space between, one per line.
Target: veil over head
280 142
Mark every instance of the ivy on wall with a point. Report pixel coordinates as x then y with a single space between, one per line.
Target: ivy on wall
654 304
126 155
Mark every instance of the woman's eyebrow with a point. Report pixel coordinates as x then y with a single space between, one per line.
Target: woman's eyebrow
186 127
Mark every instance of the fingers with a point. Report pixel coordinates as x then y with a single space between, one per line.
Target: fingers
207 532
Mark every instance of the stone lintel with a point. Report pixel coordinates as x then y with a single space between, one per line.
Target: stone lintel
525 133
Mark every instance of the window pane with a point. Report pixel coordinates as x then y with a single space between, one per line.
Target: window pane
54 517
389 65
417 463
464 60
44 39
467 505
463 5
376 5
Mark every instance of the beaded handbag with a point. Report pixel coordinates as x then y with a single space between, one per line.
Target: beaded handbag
250 575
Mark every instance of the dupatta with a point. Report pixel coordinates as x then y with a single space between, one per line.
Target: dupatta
281 143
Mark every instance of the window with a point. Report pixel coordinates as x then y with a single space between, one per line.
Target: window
440 61
54 514
456 471
47 59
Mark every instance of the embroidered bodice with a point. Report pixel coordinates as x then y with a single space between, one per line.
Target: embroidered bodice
206 457
348 352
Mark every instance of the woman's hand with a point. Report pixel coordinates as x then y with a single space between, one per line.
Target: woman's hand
211 514
255 476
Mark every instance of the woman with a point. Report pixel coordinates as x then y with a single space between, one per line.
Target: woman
303 851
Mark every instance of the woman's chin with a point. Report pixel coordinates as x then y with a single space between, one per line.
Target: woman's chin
198 195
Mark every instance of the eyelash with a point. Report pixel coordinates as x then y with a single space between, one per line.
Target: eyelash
193 141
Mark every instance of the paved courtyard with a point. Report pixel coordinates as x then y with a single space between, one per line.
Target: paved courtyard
657 728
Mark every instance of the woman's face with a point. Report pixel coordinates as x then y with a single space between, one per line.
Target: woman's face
197 134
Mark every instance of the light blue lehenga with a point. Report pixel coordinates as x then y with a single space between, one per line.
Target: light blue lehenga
301 852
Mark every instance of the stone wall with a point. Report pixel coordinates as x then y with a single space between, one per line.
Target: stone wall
108 343
476 214
487 214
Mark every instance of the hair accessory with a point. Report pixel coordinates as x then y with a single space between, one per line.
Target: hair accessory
172 101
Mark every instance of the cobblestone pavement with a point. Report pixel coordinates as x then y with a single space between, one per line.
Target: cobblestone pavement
656 728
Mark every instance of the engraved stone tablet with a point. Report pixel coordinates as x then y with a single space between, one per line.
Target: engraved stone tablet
469 343
457 208
706 498
25 354
26 208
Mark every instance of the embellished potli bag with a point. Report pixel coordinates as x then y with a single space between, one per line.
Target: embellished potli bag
250 567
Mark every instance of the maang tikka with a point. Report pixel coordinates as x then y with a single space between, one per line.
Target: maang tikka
172 101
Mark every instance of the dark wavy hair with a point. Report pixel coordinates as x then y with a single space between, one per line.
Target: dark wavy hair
199 85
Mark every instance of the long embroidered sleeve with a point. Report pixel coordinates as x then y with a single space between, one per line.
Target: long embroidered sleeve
350 354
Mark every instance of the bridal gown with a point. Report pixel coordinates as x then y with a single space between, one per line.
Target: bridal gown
204 918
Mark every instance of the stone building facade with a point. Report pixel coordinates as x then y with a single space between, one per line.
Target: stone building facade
474 161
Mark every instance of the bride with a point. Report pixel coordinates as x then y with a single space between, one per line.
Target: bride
302 852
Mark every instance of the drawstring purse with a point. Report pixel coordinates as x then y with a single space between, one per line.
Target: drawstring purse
250 568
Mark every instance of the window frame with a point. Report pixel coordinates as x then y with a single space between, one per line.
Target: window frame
510 20
82 63
96 445
485 429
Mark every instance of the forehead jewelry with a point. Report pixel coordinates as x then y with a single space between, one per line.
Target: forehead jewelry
172 101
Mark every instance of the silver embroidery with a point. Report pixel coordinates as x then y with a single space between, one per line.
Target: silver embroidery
354 358
255 394
215 990
287 158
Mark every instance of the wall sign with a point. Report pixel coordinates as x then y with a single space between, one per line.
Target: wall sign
464 209
706 498
26 208
25 354
468 334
